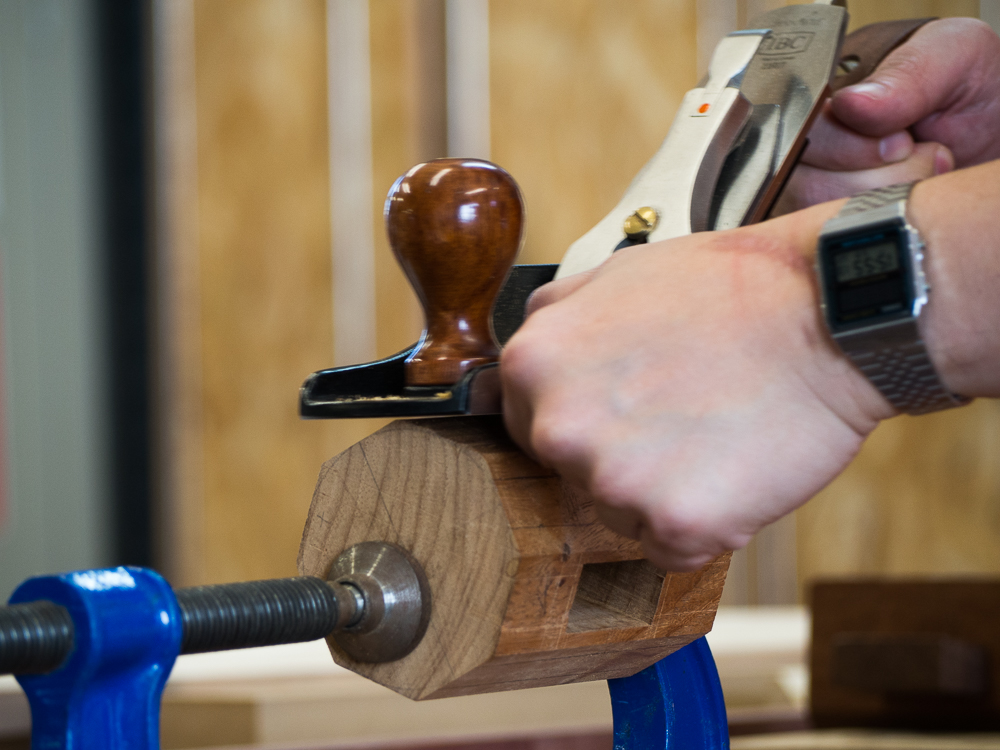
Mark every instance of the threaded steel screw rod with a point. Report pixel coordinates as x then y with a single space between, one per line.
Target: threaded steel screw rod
259 613
34 637
38 636
377 602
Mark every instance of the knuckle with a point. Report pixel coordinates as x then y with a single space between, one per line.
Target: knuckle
700 533
524 357
680 556
964 27
538 299
613 490
554 440
680 522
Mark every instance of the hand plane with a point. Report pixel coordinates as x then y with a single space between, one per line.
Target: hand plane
731 147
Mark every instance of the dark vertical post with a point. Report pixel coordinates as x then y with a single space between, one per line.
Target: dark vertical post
122 36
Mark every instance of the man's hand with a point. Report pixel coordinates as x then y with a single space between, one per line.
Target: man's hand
932 105
689 386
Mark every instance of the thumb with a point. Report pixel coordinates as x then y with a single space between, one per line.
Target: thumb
930 73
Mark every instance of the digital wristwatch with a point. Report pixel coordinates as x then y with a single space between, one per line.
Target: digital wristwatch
870 267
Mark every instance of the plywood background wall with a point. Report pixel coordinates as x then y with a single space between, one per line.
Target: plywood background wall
582 92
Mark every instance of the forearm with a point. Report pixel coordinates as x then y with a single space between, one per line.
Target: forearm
958 215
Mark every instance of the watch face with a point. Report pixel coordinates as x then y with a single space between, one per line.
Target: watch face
867 276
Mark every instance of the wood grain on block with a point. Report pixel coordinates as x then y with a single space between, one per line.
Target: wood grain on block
528 587
913 654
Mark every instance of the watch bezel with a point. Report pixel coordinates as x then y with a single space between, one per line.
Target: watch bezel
856 229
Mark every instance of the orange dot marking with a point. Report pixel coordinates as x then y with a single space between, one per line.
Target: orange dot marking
704 108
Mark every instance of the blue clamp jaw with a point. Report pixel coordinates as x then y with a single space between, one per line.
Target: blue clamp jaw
127 634
675 703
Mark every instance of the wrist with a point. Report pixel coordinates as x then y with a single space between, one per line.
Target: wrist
830 373
948 325
870 267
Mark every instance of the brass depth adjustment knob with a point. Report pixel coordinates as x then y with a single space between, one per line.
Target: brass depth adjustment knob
455 228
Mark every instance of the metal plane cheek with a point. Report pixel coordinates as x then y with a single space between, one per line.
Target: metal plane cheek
724 170
679 180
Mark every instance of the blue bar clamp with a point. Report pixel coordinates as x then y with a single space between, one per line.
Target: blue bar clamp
126 628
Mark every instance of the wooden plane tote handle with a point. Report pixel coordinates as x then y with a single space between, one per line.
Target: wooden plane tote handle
455 228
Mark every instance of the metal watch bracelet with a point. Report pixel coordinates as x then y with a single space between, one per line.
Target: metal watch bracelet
893 356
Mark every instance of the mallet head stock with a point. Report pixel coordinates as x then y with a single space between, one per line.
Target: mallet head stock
528 587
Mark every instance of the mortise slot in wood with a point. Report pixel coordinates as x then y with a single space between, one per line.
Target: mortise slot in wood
615 595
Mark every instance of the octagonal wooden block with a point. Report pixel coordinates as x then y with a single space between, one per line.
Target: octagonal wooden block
528 587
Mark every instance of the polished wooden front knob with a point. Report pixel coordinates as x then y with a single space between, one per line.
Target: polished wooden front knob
455 228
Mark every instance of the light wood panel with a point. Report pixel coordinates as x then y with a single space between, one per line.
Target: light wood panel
244 237
258 318
864 12
407 127
923 497
348 57
264 267
582 95
265 270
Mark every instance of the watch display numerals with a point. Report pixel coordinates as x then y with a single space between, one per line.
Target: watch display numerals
872 260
